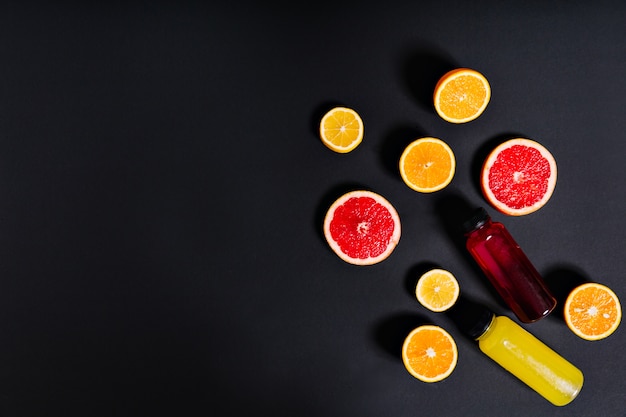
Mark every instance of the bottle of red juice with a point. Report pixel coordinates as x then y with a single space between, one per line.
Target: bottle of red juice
507 267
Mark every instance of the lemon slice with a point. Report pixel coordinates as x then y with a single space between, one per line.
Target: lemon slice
437 290
341 129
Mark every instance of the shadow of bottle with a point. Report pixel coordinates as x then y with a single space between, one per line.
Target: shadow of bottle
470 317
561 280
454 210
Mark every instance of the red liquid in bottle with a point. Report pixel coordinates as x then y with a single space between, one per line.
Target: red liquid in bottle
508 269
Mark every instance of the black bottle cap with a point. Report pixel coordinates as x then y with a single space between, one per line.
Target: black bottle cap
471 318
479 218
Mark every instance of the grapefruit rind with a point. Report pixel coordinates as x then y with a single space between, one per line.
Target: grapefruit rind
452 75
578 332
329 143
502 206
335 246
407 151
406 360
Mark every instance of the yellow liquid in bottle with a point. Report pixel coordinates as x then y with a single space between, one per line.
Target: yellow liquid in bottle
530 360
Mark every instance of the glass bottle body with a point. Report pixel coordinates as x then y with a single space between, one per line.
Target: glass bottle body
530 360
510 271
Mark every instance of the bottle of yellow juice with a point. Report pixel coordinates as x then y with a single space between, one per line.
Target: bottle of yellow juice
523 355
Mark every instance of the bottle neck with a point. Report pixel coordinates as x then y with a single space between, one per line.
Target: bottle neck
480 220
488 329
483 225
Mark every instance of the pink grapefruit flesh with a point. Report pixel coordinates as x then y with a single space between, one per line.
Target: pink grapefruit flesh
519 177
362 227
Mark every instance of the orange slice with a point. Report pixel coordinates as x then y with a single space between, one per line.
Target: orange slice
427 165
592 311
341 129
437 290
429 353
461 95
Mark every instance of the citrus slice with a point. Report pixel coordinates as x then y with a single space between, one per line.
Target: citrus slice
362 227
341 129
592 311
437 290
427 165
518 177
429 353
461 95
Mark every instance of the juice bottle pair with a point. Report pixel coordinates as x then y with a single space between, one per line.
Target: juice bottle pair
523 289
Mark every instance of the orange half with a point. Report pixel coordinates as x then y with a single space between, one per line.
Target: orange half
429 353
427 165
592 311
461 95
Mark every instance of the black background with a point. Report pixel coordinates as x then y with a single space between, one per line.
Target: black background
162 189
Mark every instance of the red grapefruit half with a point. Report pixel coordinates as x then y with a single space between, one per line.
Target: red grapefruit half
362 227
518 177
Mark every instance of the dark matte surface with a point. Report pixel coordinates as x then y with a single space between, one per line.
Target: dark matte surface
162 188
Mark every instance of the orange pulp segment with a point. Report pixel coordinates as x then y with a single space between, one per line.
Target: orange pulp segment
427 165
592 311
461 95
429 353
